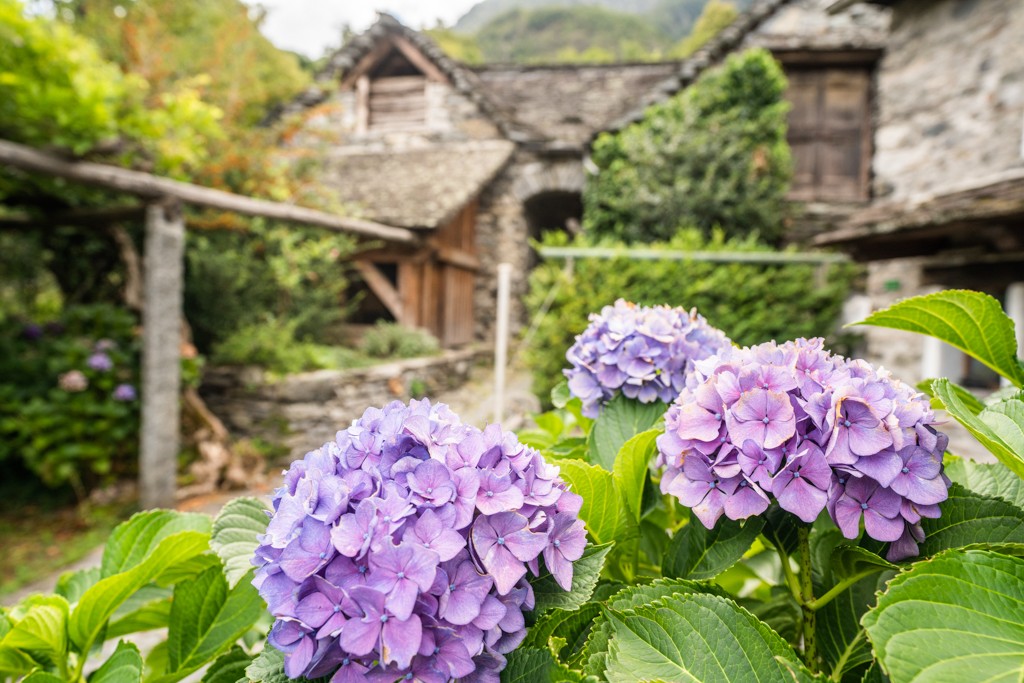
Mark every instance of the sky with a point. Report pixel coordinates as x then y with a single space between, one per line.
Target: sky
312 26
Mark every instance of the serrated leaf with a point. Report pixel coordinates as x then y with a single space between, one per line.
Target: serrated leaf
234 535
630 470
991 429
43 627
229 667
42 677
970 321
956 617
536 665
780 612
620 420
133 541
972 518
560 394
72 585
644 594
695 638
572 626
989 479
970 401
268 667
124 666
101 601
602 508
585 573
780 528
700 553
206 619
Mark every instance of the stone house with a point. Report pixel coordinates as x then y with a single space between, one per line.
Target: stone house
947 206
483 159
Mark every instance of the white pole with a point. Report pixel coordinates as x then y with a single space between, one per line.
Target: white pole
501 338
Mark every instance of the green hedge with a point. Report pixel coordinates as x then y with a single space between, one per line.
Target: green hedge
750 303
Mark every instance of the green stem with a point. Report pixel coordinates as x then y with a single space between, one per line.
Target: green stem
806 600
834 592
787 572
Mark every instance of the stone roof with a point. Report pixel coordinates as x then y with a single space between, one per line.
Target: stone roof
982 215
570 104
415 188
810 25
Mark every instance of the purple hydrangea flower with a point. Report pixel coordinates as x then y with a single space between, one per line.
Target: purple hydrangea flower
816 432
643 352
124 393
32 331
100 361
400 550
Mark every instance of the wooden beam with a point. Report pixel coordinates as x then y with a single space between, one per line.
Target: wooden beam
382 287
150 186
163 283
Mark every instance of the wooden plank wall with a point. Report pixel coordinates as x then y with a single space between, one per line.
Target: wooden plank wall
397 103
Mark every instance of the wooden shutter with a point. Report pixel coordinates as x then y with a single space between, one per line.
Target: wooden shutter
829 129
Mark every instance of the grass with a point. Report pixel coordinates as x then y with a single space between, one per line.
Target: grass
44 531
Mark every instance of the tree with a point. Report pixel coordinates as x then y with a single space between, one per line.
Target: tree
717 14
712 156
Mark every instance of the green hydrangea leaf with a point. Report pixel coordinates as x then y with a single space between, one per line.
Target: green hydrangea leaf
993 427
585 573
988 479
696 638
229 667
133 541
620 420
970 321
971 518
124 666
234 535
700 553
630 470
956 617
602 508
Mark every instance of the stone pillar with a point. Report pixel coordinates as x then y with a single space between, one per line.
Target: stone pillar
1015 309
161 364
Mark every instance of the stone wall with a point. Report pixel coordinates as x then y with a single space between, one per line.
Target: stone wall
951 96
304 410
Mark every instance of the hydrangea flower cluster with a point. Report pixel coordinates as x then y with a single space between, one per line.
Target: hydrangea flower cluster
644 352
400 549
812 430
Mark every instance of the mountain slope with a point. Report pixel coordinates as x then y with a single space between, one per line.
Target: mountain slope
488 10
569 34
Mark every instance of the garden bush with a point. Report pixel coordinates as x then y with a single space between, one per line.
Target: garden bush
753 303
68 396
713 156
391 340
830 539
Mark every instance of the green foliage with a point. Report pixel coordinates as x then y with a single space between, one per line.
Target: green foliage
696 637
216 45
586 570
700 553
254 296
970 321
57 90
58 415
713 156
976 324
967 607
774 302
458 46
987 479
234 536
56 636
717 14
391 340
569 34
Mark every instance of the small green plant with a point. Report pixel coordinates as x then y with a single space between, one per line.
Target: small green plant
391 340
160 569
